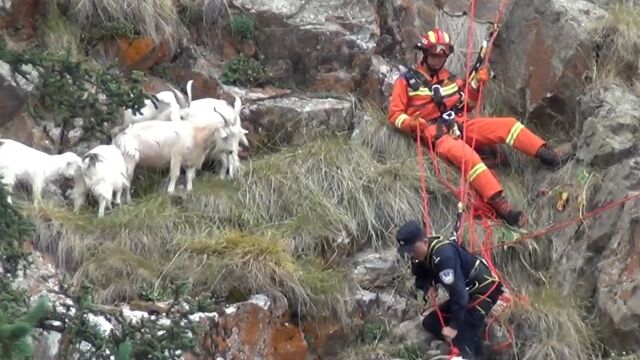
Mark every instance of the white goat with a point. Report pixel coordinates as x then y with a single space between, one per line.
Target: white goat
19 162
171 106
103 172
226 149
158 144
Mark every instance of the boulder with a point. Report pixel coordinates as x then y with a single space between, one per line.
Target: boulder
292 120
313 38
553 42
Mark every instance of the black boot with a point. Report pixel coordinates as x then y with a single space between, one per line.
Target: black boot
555 158
506 212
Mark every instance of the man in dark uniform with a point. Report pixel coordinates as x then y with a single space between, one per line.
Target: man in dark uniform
473 288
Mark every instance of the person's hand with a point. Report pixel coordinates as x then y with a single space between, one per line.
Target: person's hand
418 123
449 333
433 292
483 74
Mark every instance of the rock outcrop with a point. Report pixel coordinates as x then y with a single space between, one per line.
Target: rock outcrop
608 145
554 44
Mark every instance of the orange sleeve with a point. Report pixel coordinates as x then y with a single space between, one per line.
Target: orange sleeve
473 94
398 105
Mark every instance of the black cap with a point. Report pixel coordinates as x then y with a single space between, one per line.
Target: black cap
408 235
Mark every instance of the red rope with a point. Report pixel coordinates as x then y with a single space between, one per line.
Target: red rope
561 225
423 185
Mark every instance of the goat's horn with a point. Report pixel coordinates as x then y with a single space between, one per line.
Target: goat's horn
179 98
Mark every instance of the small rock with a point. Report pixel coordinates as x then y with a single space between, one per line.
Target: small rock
366 300
412 332
375 269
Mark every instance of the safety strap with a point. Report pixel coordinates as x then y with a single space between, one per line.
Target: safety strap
416 80
445 121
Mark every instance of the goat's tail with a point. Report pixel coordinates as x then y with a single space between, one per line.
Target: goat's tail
128 145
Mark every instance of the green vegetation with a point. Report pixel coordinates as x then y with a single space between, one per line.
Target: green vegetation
243 27
65 89
245 71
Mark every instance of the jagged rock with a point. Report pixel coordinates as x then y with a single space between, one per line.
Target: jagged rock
609 135
313 38
366 301
393 306
24 129
551 68
377 84
295 119
601 258
375 269
414 18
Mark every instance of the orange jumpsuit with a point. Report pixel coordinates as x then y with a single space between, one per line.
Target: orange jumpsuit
406 106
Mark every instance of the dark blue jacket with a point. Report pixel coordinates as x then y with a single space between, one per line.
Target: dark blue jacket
451 265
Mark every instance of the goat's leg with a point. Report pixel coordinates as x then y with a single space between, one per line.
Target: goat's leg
36 188
224 165
102 201
127 194
79 196
174 172
190 174
8 182
118 196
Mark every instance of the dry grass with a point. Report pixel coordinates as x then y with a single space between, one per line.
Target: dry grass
619 43
153 242
328 195
158 19
552 327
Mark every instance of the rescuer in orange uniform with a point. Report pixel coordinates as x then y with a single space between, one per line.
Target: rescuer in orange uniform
428 100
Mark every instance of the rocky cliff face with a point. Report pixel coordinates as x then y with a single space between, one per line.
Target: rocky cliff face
324 57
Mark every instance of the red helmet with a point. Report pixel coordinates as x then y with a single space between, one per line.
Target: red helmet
435 41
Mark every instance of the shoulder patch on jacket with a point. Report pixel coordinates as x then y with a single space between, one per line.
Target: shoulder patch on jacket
447 276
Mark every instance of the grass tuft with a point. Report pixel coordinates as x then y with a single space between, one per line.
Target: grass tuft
551 326
619 43
158 19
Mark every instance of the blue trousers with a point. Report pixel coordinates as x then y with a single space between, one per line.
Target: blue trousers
469 339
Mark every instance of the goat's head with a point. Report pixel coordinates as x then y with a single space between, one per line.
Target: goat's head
185 104
71 164
91 159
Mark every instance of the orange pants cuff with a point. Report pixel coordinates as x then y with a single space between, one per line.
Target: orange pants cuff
486 184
